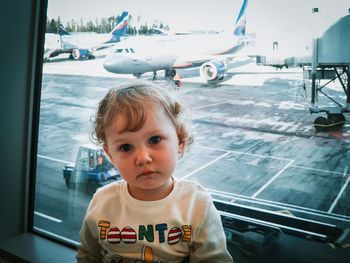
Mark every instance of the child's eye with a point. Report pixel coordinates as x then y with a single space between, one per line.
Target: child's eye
125 147
154 140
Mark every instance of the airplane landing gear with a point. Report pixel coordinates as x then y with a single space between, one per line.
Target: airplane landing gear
331 122
154 75
170 73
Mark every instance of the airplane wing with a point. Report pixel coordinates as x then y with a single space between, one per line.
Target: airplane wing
186 61
192 61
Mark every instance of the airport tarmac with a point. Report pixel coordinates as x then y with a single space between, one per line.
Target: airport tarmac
254 142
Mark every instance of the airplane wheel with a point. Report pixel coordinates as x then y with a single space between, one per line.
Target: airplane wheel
332 121
173 73
321 124
336 117
170 73
336 120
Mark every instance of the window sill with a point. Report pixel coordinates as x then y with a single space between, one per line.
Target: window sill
33 248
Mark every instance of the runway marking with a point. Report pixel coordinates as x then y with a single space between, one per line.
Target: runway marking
243 153
209 105
206 165
53 159
316 169
272 179
279 173
341 190
48 217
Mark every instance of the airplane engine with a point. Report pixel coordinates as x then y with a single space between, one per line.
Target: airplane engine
82 53
213 70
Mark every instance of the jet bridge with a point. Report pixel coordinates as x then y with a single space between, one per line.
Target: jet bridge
329 60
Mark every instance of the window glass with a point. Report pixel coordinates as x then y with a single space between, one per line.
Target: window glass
256 143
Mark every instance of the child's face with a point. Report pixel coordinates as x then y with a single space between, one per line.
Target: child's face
145 158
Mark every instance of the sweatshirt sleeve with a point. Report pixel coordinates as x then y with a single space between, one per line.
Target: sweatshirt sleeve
89 250
210 242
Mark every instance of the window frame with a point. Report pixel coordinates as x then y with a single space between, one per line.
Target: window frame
38 33
307 229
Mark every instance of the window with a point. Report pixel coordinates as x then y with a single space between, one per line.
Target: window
256 148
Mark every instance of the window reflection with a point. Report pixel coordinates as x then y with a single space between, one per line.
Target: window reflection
255 144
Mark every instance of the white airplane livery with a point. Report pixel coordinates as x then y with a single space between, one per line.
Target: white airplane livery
210 52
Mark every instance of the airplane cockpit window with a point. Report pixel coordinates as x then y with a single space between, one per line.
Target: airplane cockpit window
267 99
118 50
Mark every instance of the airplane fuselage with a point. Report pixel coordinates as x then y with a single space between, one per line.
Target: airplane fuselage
138 63
138 55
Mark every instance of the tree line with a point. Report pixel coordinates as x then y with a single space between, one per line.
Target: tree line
104 25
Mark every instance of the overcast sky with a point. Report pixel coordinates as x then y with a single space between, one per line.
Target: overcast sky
199 14
268 18
176 13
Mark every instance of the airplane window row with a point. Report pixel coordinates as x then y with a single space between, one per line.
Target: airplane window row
269 121
126 50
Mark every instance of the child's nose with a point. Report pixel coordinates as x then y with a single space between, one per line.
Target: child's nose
143 157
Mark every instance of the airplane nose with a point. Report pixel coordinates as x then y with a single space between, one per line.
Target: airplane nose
108 64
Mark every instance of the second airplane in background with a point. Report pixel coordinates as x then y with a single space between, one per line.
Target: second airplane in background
82 45
211 52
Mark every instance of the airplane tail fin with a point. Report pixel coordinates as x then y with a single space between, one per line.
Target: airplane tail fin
239 28
62 31
120 28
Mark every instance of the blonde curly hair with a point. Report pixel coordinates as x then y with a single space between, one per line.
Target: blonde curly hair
131 100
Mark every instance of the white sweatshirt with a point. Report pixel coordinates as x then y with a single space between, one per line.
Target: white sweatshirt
120 228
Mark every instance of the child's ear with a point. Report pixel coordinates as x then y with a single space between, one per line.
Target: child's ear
105 148
181 148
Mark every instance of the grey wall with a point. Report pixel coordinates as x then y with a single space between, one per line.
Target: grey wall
17 18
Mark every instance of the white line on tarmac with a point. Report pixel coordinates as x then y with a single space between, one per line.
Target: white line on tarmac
341 190
204 166
226 153
53 159
315 169
242 153
48 217
272 179
209 105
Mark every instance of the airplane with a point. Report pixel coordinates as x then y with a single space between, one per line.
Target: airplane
211 52
56 44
